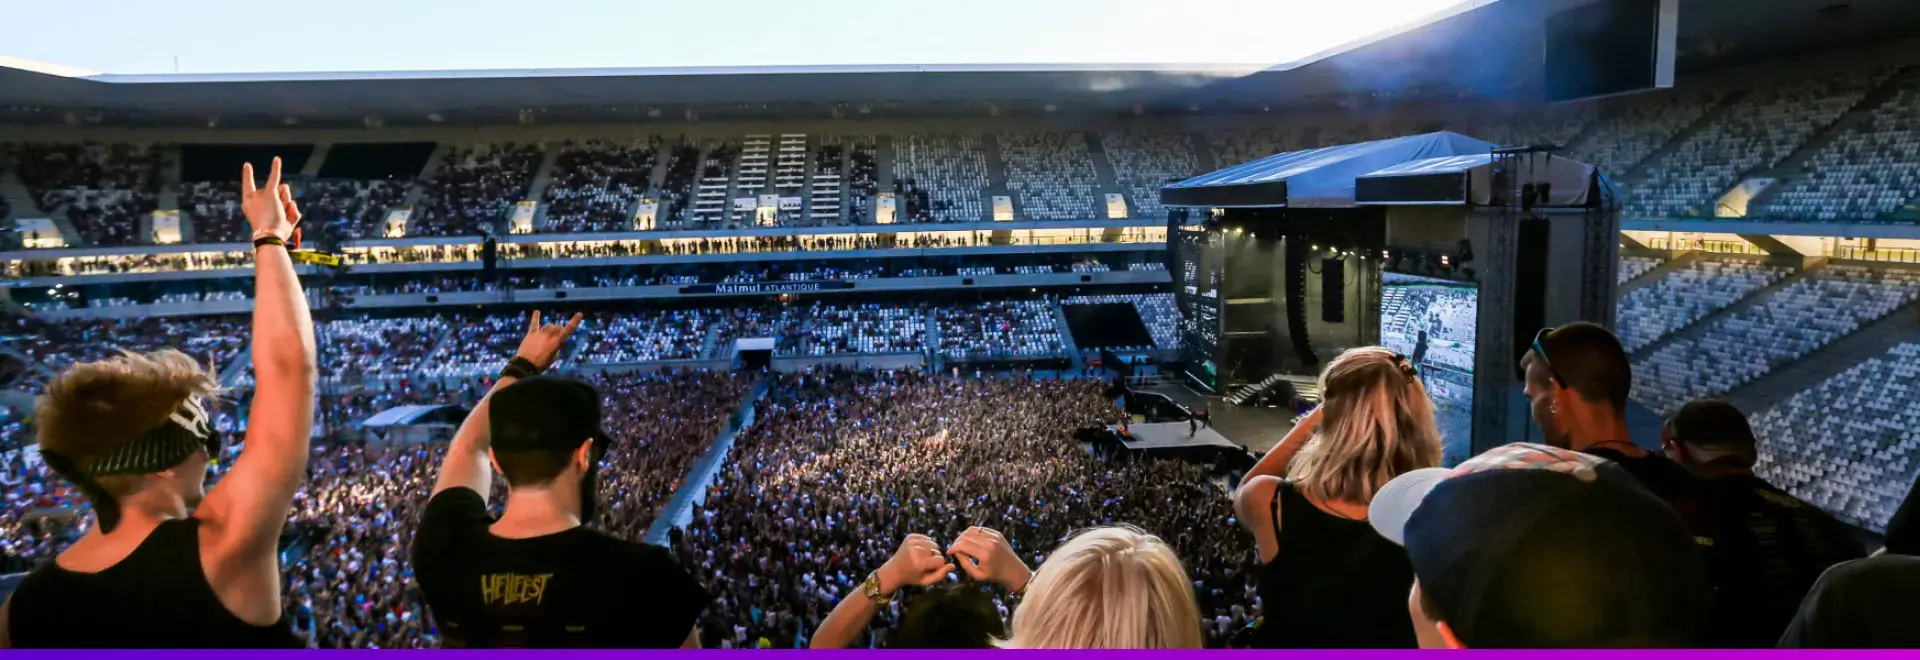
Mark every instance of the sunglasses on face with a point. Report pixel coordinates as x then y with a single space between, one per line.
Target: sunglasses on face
1540 349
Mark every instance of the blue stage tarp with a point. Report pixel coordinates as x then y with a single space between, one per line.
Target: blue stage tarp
1314 178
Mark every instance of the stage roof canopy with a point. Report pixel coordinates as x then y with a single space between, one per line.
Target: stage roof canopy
1468 179
1433 168
1314 178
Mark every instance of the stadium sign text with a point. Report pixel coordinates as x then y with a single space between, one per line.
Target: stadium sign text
767 287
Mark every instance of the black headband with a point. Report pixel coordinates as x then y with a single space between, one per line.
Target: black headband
157 449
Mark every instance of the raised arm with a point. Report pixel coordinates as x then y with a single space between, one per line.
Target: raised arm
1253 498
917 562
245 512
466 465
1274 464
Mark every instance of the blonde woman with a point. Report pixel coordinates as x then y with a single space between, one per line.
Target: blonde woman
1105 588
1327 580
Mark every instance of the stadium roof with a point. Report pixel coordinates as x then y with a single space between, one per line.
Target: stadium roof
1481 48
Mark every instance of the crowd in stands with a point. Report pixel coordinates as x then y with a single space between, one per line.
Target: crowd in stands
474 187
213 340
213 208
595 184
338 209
809 501
645 337
376 349
127 263
821 329
104 189
1014 328
940 177
352 585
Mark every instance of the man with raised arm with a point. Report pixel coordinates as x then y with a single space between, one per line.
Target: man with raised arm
163 566
538 577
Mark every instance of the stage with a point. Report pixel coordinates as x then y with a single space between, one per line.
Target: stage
1253 428
1171 435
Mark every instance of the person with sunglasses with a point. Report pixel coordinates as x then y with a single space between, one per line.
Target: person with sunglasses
168 563
541 576
1577 381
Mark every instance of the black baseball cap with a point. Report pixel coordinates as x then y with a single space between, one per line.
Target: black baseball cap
1711 423
545 413
1530 546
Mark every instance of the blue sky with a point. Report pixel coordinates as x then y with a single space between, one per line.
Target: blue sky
233 36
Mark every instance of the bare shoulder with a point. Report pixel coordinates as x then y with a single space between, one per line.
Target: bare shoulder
1254 498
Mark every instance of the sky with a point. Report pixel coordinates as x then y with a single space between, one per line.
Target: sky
254 36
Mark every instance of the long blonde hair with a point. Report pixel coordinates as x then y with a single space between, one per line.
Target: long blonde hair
1108 588
1377 424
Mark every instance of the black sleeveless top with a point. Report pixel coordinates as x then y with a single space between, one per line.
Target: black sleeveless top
158 597
1334 583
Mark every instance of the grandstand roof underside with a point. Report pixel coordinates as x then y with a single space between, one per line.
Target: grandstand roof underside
1486 49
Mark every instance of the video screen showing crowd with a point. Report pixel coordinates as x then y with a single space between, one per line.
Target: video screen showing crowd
1433 322
900 509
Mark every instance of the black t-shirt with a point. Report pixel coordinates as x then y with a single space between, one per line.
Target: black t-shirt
1768 550
1903 530
1861 604
574 589
1671 482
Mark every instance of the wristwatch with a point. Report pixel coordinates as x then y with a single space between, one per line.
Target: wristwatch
871 586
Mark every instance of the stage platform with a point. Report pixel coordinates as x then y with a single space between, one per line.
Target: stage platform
1256 429
1171 435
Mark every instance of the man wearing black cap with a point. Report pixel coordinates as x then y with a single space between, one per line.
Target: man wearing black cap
537 578
1530 546
1769 547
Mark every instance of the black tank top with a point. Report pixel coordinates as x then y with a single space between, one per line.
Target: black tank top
1334 583
158 597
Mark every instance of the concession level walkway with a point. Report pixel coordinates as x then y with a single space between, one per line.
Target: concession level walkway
678 511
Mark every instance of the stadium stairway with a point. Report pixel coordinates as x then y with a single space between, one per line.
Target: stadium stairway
1712 116
236 368
1659 272
169 198
543 177
417 192
708 341
1699 328
996 175
1872 341
19 200
1795 165
883 155
678 511
1104 177
1066 338
319 157
939 360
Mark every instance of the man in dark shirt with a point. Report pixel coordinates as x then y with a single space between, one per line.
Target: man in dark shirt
1861 604
1577 382
537 578
1769 547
